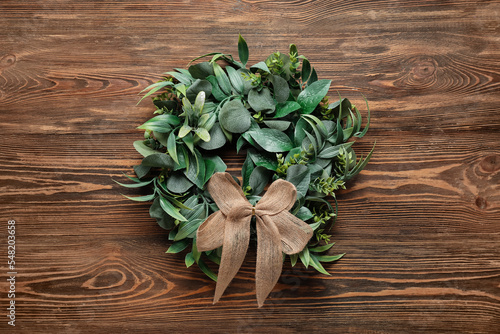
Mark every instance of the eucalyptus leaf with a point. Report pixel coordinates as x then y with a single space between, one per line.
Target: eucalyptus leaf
263 159
261 100
278 125
217 92
217 138
260 66
178 183
201 70
158 160
280 88
234 117
197 87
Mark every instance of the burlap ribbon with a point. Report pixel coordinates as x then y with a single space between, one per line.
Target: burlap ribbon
278 231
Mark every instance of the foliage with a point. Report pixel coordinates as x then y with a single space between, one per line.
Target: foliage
278 111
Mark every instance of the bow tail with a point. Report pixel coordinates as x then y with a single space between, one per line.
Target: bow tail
269 258
234 249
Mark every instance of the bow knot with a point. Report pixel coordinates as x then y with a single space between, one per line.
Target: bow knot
278 231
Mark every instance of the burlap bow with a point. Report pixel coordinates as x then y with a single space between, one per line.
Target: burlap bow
278 231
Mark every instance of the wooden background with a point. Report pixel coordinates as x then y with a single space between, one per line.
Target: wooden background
420 226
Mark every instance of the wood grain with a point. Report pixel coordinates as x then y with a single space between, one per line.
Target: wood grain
420 226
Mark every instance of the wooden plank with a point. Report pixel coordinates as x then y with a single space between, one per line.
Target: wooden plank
420 226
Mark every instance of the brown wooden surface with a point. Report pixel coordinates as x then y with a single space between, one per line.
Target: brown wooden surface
420 226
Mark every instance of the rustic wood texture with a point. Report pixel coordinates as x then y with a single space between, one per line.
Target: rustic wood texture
420 226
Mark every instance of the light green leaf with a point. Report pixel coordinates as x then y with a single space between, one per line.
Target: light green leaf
329 258
203 134
188 228
189 260
321 249
135 185
217 138
260 66
305 257
222 78
161 123
145 198
317 265
172 147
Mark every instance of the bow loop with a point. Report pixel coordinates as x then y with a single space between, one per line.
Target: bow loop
278 231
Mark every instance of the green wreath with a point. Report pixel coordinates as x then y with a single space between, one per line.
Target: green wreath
278 111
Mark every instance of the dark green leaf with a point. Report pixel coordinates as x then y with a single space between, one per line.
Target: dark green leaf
217 92
220 166
242 50
299 176
141 171
188 228
283 109
178 246
317 265
201 70
189 260
333 151
259 179
304 213
272 140
209 169
207 270
313 78
306 70
234 117
222 79
172 147
246 170
263 159
310 97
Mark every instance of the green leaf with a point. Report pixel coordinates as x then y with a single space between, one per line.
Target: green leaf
310 97
141 171
261 101
171 210
281 89
260 66
329 258
313 78
154 88
222 78
305 257
263 159
172 147
246 170
188 228
220 166
145 198
259 179
299 176
162 218
178 246
143 149
197 87
209 169
158 160
189 260
196 171
235 78
317 265
201 70
333 151
304 213
161 123
293 259
217 92
234 117
135 185
283 109
189 141
207 270
321 249
184 77
203 134
278 125
271 140
306 70
178 183
217 139
242 50
184 130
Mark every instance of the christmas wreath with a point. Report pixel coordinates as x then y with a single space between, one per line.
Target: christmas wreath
278 113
